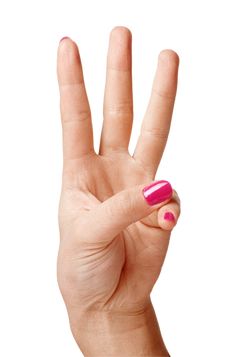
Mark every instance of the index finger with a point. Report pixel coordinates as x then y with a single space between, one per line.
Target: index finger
75 110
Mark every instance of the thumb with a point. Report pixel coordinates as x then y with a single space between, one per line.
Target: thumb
112 216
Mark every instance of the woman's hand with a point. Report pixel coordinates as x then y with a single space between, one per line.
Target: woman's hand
114 235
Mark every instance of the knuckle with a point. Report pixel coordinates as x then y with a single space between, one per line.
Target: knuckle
156 133
131 207
176 197
83 115
79 116
121 109
127 204
163 94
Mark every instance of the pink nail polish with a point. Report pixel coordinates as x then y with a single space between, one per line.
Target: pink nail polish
168 216
157 192
63 38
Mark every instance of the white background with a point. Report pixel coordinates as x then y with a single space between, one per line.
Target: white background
195 297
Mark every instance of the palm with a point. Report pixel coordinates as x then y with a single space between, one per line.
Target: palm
134 258
122 273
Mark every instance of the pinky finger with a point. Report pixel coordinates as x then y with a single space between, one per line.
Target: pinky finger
168 215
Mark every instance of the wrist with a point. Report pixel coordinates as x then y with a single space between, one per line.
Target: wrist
103 333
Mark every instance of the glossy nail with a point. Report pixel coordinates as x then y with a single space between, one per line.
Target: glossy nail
157 192
168 216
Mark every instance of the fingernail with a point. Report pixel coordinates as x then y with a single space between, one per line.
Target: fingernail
63 38
168 216
157 192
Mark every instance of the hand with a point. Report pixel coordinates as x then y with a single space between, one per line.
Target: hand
113 240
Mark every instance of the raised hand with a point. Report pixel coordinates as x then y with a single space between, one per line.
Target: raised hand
114 226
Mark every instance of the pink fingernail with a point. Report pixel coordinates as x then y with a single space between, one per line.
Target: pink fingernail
168 216
63 38
157 192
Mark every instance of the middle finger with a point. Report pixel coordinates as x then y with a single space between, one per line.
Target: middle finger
118 99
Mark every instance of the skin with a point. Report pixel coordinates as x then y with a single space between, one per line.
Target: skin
112 243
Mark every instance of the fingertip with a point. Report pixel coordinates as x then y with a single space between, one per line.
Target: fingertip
69 67
64 38
120 32
169 216
167 220
158 192
169 56
119 52
67 45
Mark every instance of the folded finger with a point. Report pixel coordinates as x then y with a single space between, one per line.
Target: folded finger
165 217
